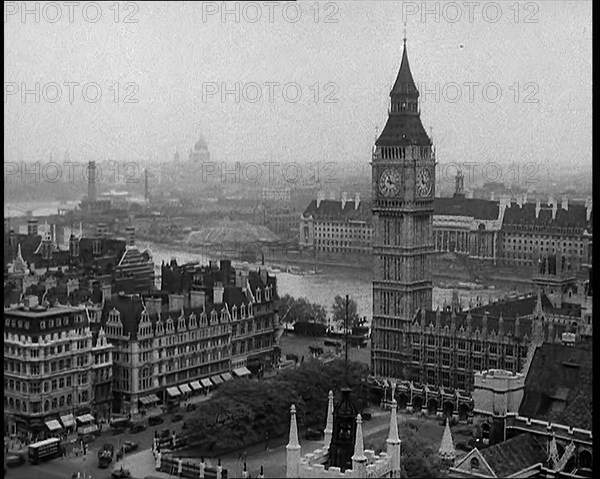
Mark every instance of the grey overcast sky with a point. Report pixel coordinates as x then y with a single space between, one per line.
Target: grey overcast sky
172 54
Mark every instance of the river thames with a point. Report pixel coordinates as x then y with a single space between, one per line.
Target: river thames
322 288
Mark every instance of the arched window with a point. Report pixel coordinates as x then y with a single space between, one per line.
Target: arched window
474 463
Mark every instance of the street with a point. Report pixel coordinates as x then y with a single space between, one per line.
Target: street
63 468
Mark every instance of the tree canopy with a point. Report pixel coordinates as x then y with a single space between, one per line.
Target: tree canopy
243 411
292 310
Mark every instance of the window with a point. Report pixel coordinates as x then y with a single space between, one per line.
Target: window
430 357
474 463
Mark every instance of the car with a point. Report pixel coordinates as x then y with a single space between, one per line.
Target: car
129 446
137 428
15 460
155 420
313 434
176 418
366 416
107 447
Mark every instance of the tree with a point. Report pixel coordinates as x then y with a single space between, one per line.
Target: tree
242 411
292 310
339 311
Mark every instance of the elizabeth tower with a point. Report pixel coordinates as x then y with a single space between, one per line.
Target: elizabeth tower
403 168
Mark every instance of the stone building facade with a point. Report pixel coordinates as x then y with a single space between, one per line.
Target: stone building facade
51 362
205 323
531 230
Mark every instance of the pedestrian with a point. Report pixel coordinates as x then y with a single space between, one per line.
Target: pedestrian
267 444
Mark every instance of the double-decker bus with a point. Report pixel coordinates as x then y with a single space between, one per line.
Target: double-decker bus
44 450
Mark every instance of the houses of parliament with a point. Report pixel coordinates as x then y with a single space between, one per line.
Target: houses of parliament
432 355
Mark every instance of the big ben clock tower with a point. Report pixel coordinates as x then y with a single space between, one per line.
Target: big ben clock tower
403 168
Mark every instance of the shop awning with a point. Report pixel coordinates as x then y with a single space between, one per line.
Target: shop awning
85 418
226 376
206 382
184 388
68 420
241 372
216 379
144 400
53 425
196 385
173 392
153 398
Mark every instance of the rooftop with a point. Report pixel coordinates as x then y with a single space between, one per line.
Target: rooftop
515 454
558 387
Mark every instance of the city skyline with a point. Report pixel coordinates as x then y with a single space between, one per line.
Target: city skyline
174 77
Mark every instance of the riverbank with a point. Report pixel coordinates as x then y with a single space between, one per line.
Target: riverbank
278 257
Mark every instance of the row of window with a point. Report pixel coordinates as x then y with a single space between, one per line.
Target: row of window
37 387
48 405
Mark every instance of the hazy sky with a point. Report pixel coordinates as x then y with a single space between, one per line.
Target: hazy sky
172 54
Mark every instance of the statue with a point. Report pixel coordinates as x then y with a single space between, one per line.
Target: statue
158 459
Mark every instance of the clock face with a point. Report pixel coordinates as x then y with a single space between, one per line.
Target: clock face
389 183
424 185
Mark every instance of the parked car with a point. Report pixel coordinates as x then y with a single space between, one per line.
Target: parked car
137 428
176 418
313 434
155 420
129 446
15 460
366 416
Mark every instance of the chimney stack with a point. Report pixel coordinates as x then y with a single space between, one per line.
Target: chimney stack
92 182
130 235
588 209
538 207
197 299
554 208
32 227
218 291
565 203
176 302
320 197
344 199
356 200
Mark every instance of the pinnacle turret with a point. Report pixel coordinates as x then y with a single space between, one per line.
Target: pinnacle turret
447 451
359 448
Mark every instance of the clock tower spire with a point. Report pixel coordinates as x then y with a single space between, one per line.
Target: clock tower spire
403 179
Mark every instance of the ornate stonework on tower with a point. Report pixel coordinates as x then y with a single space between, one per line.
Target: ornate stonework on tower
348 447
403 179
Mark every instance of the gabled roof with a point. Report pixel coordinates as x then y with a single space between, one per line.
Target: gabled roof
511 308
473 207
575 216
333 209
515 454
558 387
493 322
